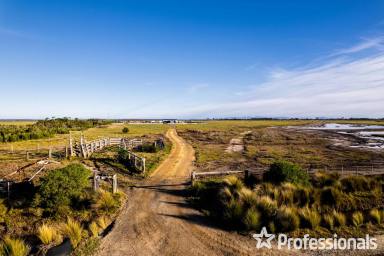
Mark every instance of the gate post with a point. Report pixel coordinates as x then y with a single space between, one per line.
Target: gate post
114 183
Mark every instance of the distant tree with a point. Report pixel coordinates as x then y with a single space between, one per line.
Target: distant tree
125 130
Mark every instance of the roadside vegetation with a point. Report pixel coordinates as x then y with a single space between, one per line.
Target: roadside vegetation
60 206
286 199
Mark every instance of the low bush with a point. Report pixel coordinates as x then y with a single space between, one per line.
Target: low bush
59 187
309 218
233 183
287 219
283 171
13 247
49 234
73 230
125 130
252 219
375 216
357 218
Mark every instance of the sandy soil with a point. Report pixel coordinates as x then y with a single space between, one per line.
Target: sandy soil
158 221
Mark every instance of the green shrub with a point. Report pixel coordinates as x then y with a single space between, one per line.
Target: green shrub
287 219
73 230
357 219
125 130
252 219
375 216
60 186
328 221
309 218
49 234
283 171
339 219
13 247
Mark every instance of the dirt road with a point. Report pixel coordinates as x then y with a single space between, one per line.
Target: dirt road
158 221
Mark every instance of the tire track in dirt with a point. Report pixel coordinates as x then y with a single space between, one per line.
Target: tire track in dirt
157 220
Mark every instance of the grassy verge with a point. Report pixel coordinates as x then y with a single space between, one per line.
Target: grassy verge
288 201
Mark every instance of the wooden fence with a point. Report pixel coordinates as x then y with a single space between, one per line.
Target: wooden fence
352 170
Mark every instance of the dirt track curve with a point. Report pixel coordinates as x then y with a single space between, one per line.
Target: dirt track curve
158 221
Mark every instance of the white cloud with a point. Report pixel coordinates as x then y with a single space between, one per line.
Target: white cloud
337 88
368 43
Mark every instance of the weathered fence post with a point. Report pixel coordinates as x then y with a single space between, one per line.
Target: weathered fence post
193 177
66 151
114 183
50 153
95 182
27 155
143 165
8 190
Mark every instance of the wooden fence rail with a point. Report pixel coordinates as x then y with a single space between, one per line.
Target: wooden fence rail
368 171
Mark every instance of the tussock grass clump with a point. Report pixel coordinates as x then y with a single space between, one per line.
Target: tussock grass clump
309 218
375 216
326 179
339 219
328 221
234 183
286 197
302 196
248 197
103 222
287 219
234 211
73 230
13 247
252 219
106 202
267 206
94 229
357 218
49 234
358 183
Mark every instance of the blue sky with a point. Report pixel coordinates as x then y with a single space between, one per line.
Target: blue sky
191 59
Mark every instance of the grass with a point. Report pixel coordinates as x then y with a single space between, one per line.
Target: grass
287 219
357 218
375 216
309 218
49 234
74 231
94 229
112 130
13 247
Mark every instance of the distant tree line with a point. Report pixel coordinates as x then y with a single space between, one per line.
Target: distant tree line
46 128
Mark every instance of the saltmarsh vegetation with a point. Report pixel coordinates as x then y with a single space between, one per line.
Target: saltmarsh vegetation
288 200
